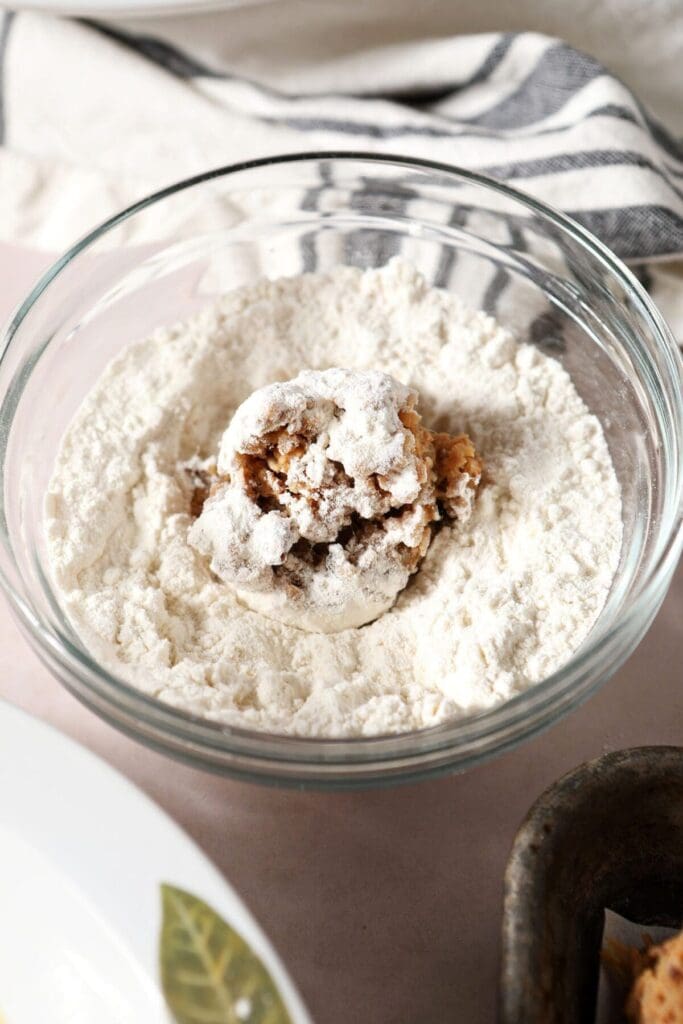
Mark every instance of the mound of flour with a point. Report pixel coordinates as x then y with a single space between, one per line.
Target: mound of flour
322 499
490 611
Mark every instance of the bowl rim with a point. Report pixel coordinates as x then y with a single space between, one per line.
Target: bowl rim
623 796
408 748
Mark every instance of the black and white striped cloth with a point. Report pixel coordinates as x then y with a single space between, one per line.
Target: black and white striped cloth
92 117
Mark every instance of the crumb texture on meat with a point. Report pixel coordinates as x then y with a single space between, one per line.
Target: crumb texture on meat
657 993
324 495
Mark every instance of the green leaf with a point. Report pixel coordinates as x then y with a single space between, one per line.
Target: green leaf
208 972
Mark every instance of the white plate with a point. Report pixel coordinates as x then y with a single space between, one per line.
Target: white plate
129 8
82 856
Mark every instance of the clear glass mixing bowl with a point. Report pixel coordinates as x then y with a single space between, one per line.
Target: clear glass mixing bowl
165 257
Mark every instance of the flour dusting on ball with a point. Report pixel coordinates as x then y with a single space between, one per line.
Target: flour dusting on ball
324 496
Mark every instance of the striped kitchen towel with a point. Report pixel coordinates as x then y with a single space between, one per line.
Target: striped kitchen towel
92 117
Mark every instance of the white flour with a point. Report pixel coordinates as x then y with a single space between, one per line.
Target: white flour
490 611
321 502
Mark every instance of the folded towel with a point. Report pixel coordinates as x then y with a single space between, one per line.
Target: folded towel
92 117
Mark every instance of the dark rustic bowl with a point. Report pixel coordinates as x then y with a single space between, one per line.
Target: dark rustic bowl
608 834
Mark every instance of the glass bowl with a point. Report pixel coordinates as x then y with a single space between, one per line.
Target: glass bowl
165 257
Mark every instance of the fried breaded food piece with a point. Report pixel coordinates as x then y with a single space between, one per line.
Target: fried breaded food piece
657 993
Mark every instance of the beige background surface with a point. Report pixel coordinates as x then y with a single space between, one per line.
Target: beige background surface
385 905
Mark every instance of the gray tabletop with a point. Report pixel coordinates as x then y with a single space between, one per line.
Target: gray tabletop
385 904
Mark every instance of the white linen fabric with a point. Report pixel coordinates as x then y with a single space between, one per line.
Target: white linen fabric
93 116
